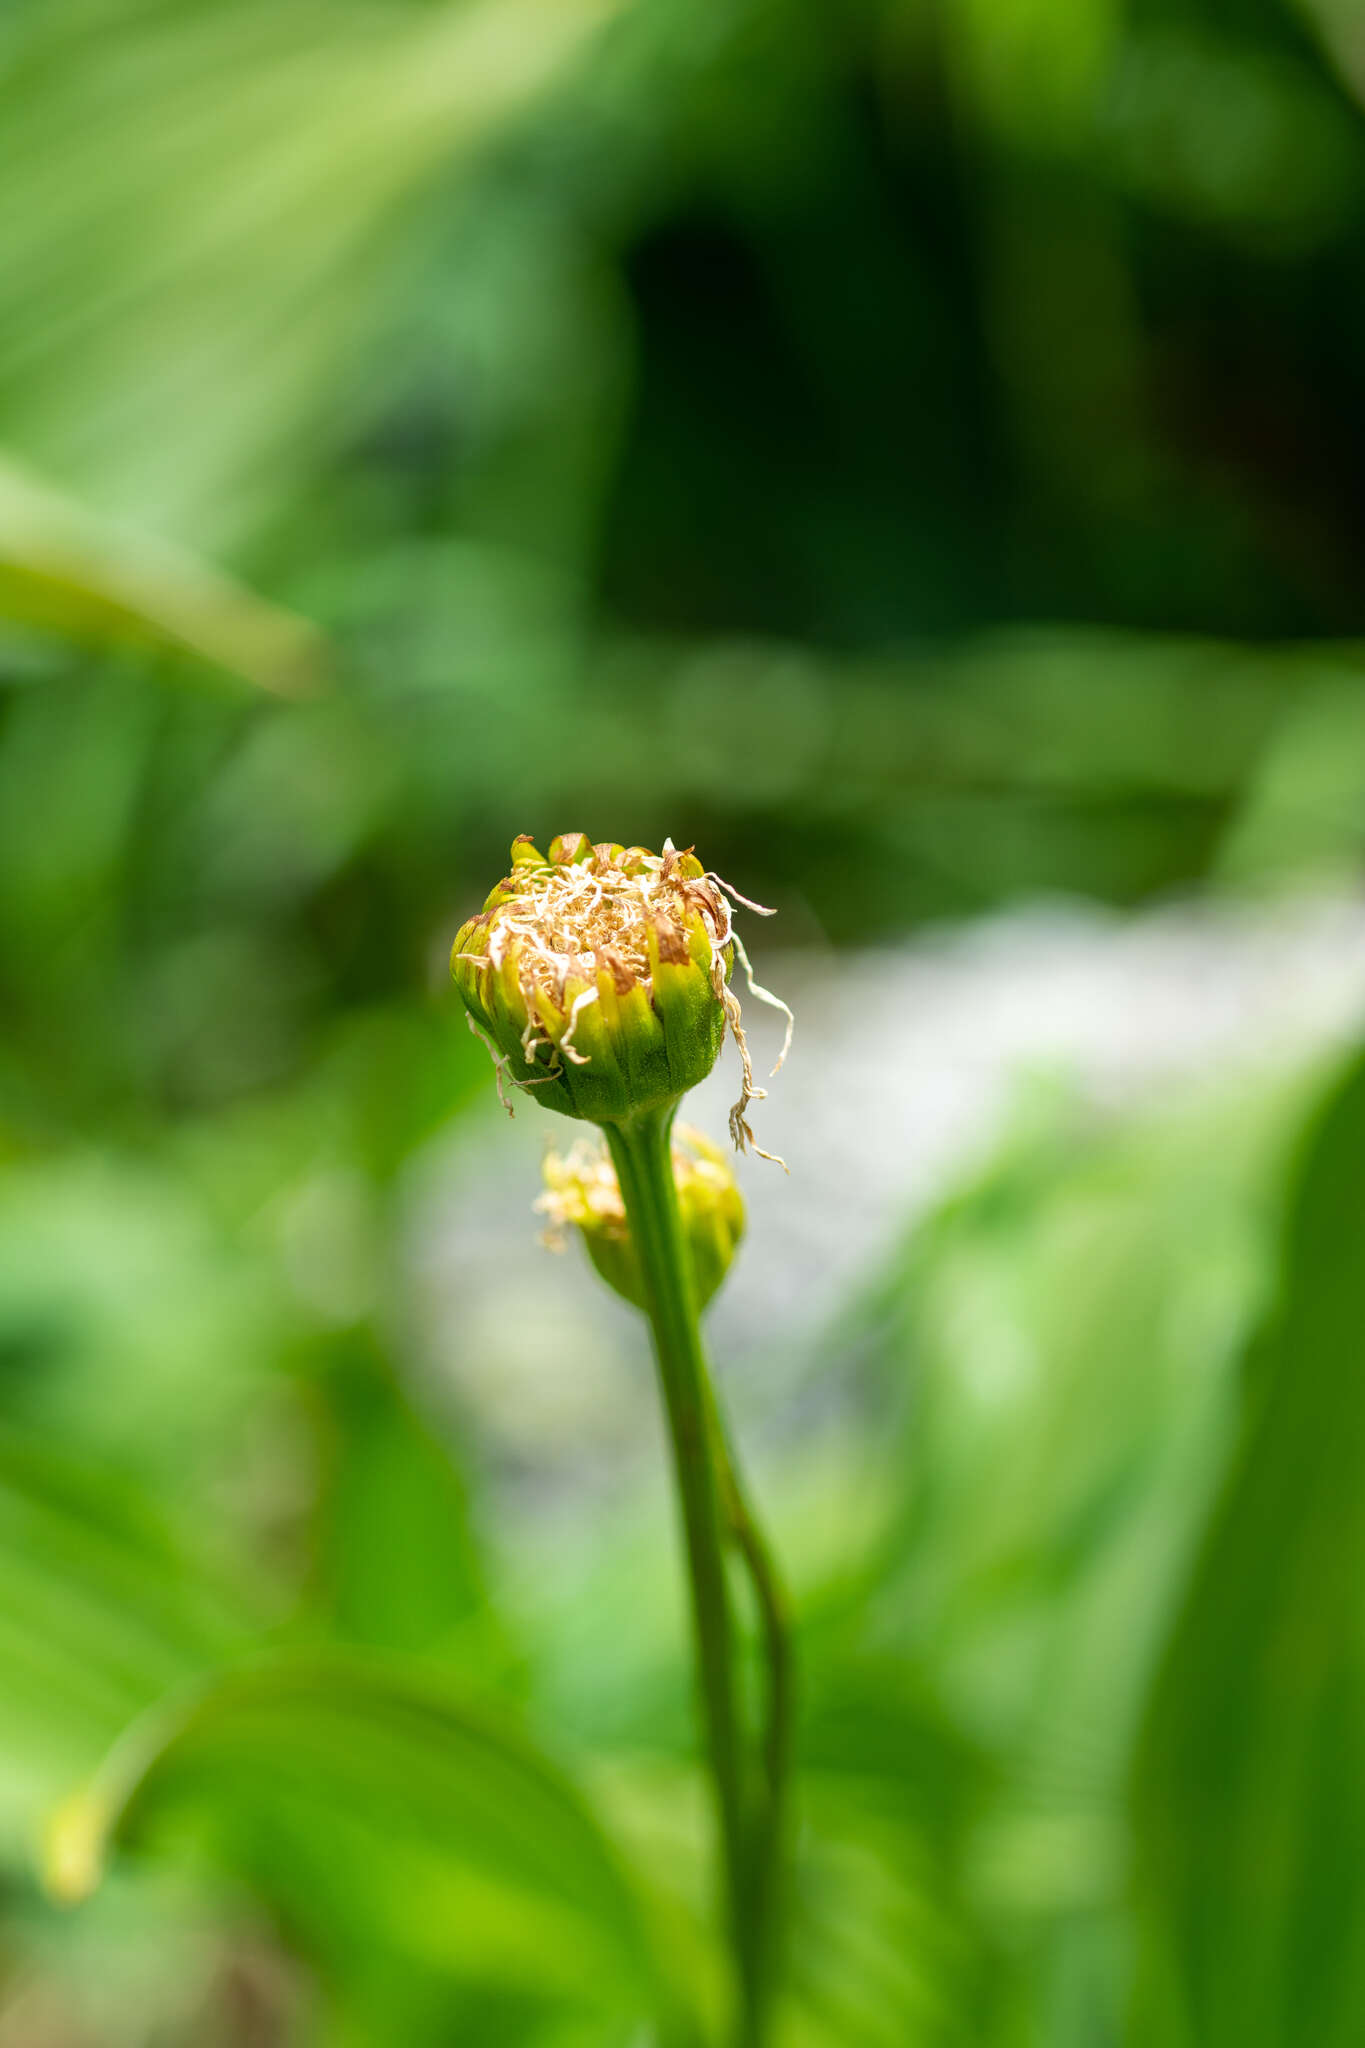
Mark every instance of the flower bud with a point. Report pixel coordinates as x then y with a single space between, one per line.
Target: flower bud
599 976
581 1191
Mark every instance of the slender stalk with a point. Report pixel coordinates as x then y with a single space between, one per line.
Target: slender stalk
640 1151
775 1624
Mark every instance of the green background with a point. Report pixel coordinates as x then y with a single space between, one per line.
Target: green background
915 452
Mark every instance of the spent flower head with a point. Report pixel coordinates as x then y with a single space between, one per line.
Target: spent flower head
582 1193
599 975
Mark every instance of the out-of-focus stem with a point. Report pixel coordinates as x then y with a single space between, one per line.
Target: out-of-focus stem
774 1622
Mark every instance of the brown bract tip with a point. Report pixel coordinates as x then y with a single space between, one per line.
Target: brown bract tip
670 941
605 958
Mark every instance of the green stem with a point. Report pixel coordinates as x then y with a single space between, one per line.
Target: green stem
775 1624
641 1154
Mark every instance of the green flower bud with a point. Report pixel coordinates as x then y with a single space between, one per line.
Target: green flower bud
581 1192
599 976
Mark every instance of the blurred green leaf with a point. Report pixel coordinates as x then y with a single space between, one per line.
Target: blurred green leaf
63 568
397 1562
222 257
1249 1795
884 1950
1049 1365
385 1817
104 1606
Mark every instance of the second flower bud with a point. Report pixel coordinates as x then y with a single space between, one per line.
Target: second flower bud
581 1193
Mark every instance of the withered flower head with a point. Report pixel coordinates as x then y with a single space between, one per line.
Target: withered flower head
582 1193
599 975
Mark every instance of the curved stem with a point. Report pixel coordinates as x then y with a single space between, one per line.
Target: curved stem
640 1151
774 1621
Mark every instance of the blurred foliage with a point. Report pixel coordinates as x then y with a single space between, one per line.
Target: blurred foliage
914 449
1246 1790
